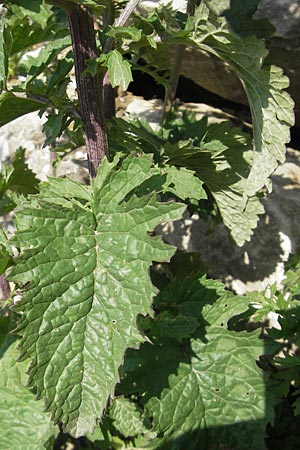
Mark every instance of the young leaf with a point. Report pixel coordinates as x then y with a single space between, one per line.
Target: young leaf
183 183
38 12
23 423
21 179
87 264
126 416
119 70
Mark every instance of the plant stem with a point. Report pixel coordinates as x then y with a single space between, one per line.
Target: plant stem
173 81
89 87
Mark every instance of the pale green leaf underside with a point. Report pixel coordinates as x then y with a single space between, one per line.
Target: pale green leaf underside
23 423
271 107
221 387
119 70
88 268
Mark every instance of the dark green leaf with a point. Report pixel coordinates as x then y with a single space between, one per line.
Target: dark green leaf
12 107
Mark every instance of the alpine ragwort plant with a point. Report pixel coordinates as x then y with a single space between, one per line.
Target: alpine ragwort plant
123 348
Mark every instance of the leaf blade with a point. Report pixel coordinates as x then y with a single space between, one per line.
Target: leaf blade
88 270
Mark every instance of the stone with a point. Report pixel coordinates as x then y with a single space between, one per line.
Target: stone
26 131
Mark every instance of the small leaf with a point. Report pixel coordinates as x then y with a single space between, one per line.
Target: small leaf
178 327
21 179
119 70
127 418
53 127
183 183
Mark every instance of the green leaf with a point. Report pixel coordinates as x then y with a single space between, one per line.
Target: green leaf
271 107
127 418
4 259
219 397
119 70
222 160
23 423
53 127
178 327
28 27
125 33
31 67
4 242
38 11
3 57
12 107
183 183
87 264
21 179
240 16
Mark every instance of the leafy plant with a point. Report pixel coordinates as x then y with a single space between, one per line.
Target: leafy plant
124 349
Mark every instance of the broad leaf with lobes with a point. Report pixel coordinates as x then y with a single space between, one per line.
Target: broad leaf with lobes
86 253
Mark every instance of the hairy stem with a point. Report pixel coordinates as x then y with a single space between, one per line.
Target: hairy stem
89 87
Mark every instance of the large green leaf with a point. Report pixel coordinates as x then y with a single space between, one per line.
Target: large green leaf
218 398
87 264
271 107
240 16
23 423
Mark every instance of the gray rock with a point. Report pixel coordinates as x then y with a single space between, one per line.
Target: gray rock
26 131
